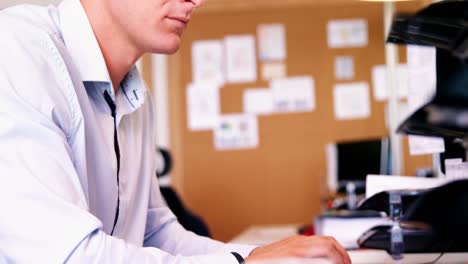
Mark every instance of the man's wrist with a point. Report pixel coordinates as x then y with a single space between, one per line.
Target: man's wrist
239 258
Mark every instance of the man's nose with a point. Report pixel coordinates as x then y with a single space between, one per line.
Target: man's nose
197 3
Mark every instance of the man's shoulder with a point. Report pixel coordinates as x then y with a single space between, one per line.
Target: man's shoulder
31 66
29 36
26 25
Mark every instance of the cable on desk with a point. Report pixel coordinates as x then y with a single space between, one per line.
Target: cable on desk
441 253
437 259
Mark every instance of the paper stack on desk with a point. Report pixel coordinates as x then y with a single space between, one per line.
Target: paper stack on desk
347 226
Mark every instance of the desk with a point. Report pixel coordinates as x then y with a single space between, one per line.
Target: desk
266 234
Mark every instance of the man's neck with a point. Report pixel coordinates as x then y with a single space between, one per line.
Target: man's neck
118 51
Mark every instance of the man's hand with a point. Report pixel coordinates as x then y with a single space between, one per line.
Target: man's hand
301 247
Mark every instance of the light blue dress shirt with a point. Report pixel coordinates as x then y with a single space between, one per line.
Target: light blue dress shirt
58 164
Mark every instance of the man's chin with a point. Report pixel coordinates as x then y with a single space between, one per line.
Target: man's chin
172 50
169 48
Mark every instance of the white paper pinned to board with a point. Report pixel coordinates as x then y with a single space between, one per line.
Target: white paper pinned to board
456 169
208 61
271 42
344 68
241 61
203 107
379 82
236 131
351 101
345 33
420 145
295 94
273 70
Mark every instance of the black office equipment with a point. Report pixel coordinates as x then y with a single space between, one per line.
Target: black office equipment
433 221
443 25
445 210
446 114
417 239
436 220
357 159
381 201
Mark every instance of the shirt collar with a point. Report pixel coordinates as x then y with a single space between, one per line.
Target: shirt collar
81 42
133 89
84 49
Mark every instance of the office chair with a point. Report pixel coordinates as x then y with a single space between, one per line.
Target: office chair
185 216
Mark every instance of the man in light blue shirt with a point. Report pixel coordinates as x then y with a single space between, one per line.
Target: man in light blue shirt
77 141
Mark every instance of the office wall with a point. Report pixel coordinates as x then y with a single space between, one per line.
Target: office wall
281 181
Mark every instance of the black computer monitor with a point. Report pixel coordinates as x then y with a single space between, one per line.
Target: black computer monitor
356 159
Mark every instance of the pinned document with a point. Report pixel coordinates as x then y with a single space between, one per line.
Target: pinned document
236 131
208 61
379 82
420 145
296 94
203 107
273 70
241 64
344 68
351 101
347 33
271 42
456 169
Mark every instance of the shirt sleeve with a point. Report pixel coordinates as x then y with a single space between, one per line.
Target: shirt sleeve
43 207
165 232
100 248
